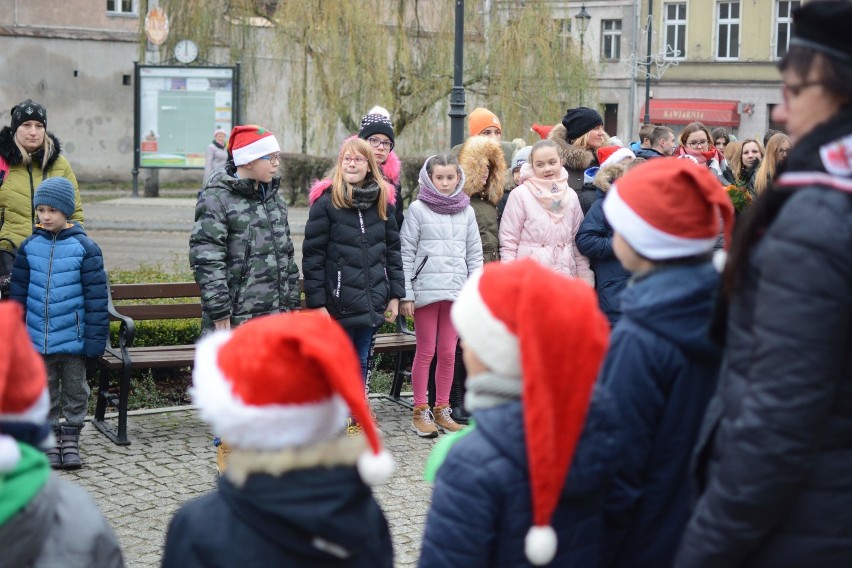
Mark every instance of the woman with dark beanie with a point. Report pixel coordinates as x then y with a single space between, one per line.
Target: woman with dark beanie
577 138
772 461
377 130
32 154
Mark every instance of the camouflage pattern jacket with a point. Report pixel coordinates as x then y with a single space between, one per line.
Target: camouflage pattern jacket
241 252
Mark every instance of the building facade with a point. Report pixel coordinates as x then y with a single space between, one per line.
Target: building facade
717 62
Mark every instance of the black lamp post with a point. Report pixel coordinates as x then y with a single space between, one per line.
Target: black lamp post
582 18
457 112
647 118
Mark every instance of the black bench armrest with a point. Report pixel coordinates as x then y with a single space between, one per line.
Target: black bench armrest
127 330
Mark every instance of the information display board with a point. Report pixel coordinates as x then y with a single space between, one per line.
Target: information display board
178 109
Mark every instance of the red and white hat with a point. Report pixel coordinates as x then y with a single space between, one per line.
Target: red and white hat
24 401
506 315
613 154
669 208
285 381
250 142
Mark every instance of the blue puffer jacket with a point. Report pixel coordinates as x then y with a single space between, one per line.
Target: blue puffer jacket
60 280
594 240
481 505
661 369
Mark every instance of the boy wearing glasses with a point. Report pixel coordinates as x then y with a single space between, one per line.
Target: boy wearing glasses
240 248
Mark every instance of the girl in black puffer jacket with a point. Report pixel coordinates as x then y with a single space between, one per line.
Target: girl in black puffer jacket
351 258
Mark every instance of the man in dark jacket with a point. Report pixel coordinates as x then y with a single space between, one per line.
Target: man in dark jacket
662 142
773 459
295 492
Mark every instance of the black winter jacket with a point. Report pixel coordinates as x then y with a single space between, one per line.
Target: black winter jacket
773 461
319 517
351 262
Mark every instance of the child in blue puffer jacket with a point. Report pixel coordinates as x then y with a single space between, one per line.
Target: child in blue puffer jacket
59 278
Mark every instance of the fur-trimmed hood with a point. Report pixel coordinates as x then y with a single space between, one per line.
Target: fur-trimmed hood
476 155
573 157
10 152
320 186
392 168
608 174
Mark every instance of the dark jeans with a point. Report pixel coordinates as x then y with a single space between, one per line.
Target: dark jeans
362 339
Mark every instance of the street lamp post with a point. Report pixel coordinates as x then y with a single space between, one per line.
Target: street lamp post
647 117
457 113
582 18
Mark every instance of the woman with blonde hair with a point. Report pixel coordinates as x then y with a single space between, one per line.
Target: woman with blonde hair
351 260
745 162
776 152
578 138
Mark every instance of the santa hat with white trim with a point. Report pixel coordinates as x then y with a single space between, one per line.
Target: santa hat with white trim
24 400
506 315
285 381
613 154
669 208
249 142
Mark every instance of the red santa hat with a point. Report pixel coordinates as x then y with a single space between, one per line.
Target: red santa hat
24 400
506 315
250 142
669 208
542 130
613 154
285 381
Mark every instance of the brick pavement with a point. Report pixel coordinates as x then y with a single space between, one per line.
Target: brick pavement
171 460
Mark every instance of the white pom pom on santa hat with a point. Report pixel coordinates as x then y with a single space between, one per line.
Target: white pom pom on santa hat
10 453
540 545
376 469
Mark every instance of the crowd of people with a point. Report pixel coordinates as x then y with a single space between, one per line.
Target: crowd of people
631 395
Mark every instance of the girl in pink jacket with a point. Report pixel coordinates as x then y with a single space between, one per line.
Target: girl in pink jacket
543 215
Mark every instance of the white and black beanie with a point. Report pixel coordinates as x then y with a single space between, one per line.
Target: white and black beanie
28 110
376 121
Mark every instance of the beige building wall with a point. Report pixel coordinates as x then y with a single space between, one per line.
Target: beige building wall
752 79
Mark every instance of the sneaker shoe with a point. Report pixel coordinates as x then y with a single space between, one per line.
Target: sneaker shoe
423 423
444 419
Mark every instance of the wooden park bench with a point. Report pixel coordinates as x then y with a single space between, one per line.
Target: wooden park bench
157 302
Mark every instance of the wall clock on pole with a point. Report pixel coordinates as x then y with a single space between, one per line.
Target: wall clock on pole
186 51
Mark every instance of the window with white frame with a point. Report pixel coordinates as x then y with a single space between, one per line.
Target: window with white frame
611 39
784 25
563 27
121 6
728 30
675 29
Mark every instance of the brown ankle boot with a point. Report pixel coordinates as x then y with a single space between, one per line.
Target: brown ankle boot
423 423
444 419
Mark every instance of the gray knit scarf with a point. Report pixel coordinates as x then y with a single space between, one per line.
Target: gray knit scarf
488 390
365 197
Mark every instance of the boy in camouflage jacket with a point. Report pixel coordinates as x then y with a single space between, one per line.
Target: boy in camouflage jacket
240 248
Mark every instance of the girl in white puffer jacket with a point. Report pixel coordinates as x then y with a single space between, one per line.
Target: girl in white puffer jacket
441 247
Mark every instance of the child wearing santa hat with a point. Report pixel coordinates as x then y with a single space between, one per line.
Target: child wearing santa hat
295 492
44 520
542 216
520 486
662 366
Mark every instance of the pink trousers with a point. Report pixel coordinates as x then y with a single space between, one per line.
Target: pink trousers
433 328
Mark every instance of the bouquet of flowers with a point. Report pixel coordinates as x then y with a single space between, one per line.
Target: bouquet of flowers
739 196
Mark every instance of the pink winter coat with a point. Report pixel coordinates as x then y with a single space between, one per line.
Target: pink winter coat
527 230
